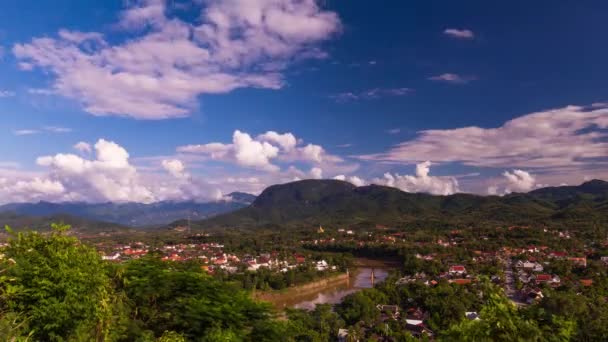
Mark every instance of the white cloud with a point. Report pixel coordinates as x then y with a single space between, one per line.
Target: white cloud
144 13
30 190
108 176
519 181
175 167
452 78
570 137
287 141
316 173
25 131
459 33
356 181
394 131
40 91
493 190
160 70
57 129
371 94
83 147
249 152
81 37
263 152
48 129
421 182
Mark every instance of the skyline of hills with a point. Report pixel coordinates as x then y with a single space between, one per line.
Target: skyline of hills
314 202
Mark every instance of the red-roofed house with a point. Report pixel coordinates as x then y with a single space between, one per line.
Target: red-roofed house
457 270
581 262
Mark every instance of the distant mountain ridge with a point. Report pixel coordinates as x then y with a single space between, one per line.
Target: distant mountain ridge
43 223
133 214
312 202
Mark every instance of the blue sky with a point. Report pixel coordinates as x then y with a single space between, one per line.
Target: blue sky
496 97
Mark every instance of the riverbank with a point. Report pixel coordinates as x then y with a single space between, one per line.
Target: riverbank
280 298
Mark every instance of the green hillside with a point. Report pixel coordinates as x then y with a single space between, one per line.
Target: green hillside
333 202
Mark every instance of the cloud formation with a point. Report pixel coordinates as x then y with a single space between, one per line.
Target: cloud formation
459 33
83 147
25 132
175 167
356 181
166 63
561 138
519 181
108 176
371 94
514 181
422 181
48 129
263 151
452 78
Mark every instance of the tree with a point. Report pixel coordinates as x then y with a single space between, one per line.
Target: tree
500 321
58 285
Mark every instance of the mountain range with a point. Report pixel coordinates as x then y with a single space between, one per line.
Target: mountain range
126 214
338 203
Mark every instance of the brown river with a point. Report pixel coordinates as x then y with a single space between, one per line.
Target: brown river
361 279
331 292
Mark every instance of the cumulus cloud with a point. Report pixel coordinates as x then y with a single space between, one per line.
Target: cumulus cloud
244 151
513 181
287 141
371 94
519 181
356 181
175 167
263 151
316 173
107 176
459 33
83 147
166 63
571 137
422 181
452 78
30 190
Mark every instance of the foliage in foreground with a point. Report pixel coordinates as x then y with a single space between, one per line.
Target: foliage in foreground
54 288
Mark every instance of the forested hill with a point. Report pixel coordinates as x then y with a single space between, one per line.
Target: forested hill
333 202
43 223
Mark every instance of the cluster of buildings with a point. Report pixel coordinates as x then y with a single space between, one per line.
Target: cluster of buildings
213 257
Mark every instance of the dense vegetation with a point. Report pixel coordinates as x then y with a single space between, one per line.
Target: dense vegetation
54 288
41 223
337 203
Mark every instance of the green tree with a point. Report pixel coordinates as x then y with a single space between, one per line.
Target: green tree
58 284
500 321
